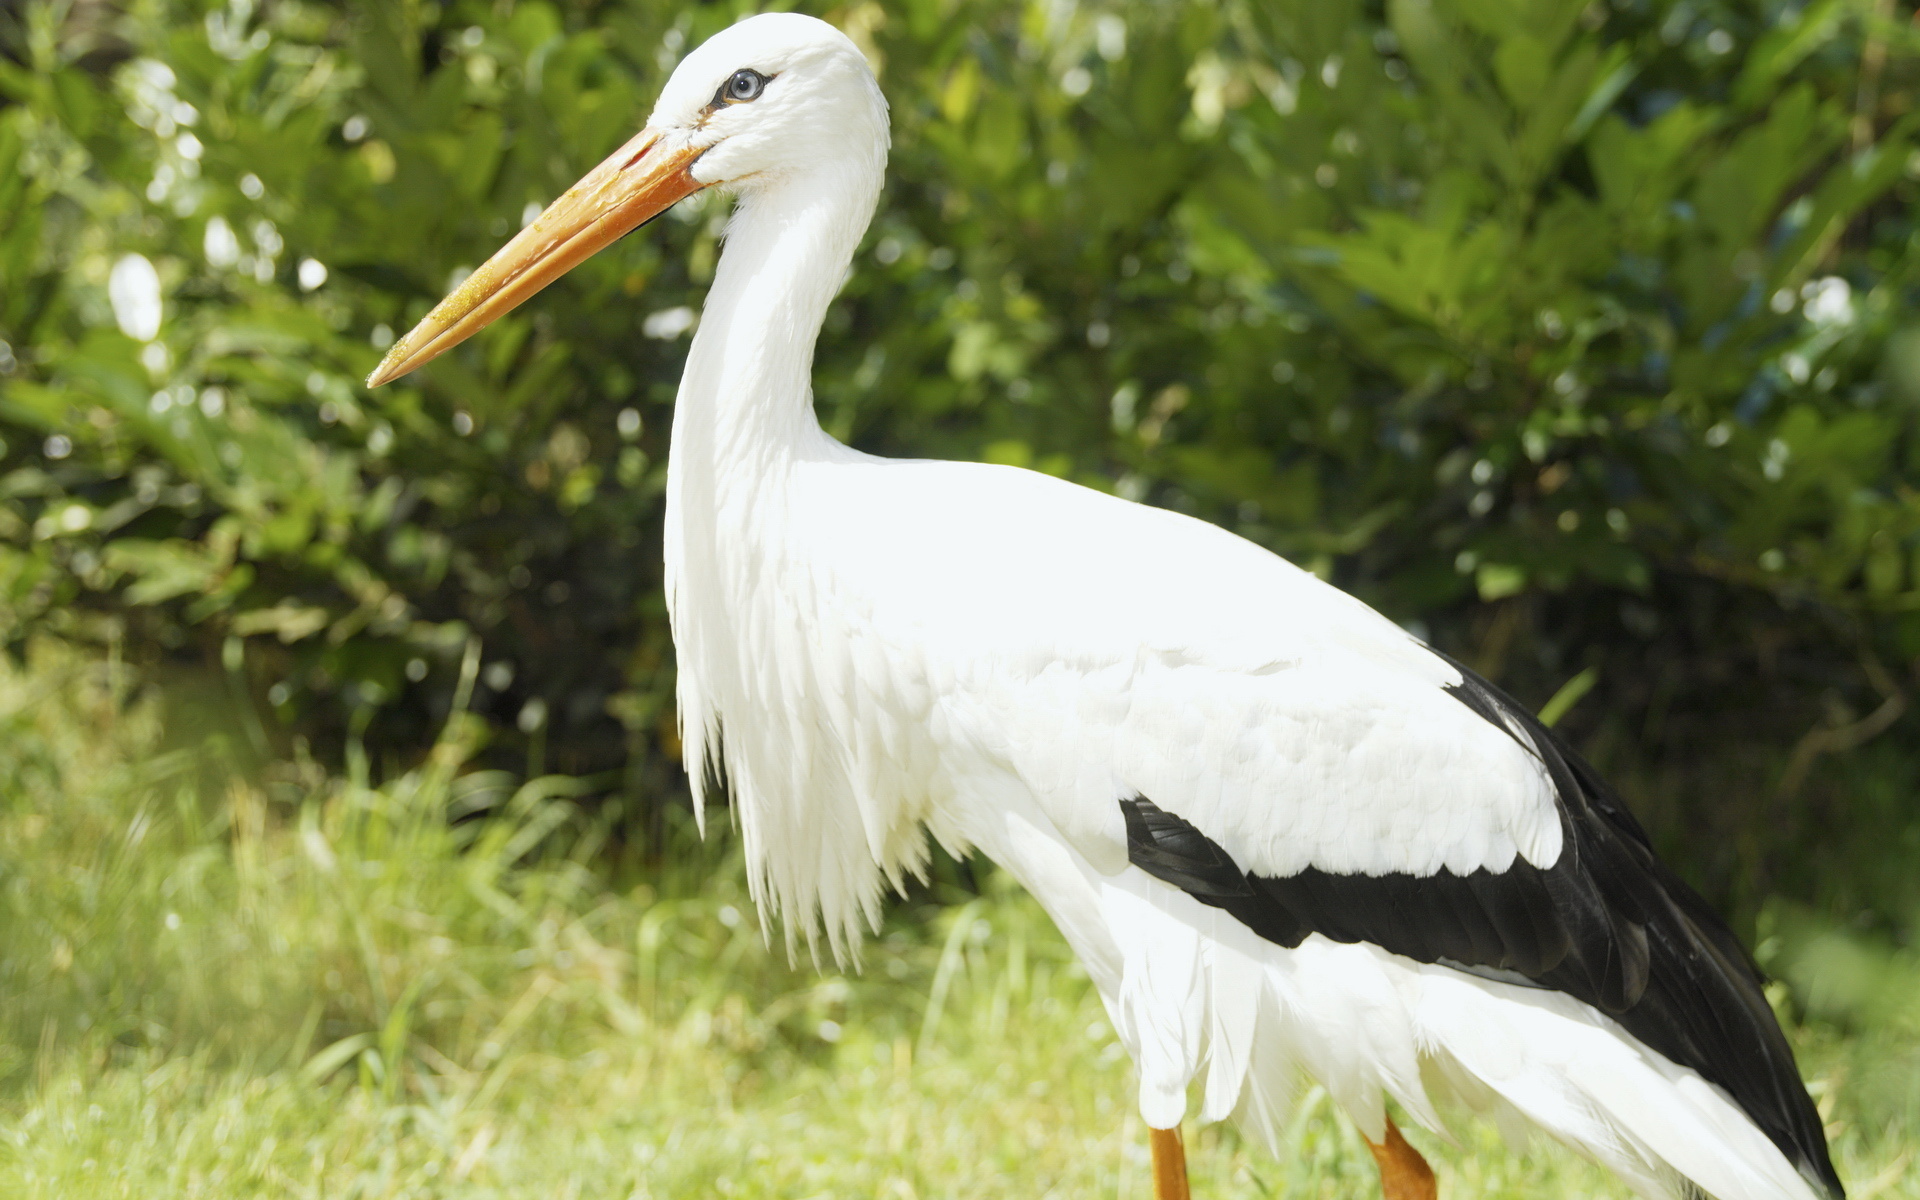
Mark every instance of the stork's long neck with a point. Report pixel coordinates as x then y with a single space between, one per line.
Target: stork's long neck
744 417
744 573
745 406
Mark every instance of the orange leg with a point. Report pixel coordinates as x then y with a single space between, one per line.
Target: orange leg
1404 1175
1169 1165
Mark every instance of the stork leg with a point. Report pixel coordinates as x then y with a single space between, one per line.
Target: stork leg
1169 1165
1404 1175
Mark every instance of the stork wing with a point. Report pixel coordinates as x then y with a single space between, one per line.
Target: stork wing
1604 921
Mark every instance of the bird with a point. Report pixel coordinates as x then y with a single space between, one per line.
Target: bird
1285 836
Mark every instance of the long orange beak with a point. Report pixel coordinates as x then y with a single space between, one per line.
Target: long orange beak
635 184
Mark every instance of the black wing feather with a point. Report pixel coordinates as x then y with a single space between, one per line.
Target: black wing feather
1608 924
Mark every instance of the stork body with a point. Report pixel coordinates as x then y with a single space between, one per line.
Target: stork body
1283 835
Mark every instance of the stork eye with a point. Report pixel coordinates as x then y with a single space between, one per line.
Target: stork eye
745 84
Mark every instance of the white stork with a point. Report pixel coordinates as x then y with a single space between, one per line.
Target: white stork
1282 834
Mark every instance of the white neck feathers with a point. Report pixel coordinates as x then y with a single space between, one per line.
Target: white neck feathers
737 594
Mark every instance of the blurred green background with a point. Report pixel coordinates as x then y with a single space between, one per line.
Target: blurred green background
1577 337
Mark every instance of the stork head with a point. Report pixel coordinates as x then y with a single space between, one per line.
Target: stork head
771 98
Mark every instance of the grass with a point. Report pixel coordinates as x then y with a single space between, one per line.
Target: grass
303 985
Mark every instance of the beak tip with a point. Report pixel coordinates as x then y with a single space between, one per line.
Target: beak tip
386 372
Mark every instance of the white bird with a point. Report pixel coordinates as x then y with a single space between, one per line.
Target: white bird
1282 834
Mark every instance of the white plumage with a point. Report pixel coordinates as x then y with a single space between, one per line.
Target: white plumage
870 649
889 628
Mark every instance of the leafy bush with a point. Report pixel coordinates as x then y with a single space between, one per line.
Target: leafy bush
1575 332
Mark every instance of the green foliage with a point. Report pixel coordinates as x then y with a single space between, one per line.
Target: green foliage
1577 332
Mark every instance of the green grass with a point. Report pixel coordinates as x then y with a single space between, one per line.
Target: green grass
305 986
